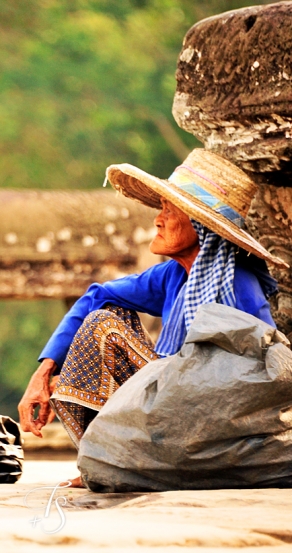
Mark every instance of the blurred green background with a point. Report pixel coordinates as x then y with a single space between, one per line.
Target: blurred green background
83 84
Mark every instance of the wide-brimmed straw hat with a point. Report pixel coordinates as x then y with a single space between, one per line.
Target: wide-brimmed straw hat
207 187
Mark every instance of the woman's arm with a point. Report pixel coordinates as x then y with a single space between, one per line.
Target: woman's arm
145 292
250 296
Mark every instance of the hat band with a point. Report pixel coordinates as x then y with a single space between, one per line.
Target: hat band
181 181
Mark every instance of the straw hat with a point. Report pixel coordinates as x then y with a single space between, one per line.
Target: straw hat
207 187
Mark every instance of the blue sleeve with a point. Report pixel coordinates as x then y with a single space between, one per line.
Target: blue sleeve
144 292
250 297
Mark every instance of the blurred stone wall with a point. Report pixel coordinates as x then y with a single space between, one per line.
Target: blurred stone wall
55 244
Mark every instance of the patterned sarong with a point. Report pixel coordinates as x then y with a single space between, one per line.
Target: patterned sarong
110 346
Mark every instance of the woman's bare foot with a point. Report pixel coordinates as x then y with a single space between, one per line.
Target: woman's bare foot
75 482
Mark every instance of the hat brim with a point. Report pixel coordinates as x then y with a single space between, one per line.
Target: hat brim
134 183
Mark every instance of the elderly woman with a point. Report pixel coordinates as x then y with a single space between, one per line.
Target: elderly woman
101 343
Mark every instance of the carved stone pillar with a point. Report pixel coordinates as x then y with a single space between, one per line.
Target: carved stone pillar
234 93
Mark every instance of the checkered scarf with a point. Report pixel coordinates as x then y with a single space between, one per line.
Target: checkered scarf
210 280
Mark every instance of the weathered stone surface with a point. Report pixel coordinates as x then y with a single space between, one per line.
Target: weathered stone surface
213 520
234 87
234 92
269 220
54 244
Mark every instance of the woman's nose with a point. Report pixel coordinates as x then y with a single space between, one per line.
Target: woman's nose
158 221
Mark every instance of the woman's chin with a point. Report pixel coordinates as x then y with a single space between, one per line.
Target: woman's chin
156 248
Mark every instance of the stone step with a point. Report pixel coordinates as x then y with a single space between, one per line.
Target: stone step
55 438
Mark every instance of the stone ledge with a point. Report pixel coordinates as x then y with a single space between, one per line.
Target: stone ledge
55 438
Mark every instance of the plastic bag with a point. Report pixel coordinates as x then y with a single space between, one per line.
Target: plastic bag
11 452
216 415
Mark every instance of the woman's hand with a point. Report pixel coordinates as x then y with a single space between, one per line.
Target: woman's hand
54 383
36 395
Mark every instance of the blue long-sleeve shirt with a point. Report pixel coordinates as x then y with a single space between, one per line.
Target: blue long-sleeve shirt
154 292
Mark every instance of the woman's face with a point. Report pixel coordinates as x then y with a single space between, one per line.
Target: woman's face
175 236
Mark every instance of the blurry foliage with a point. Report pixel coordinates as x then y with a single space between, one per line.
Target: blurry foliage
83 84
